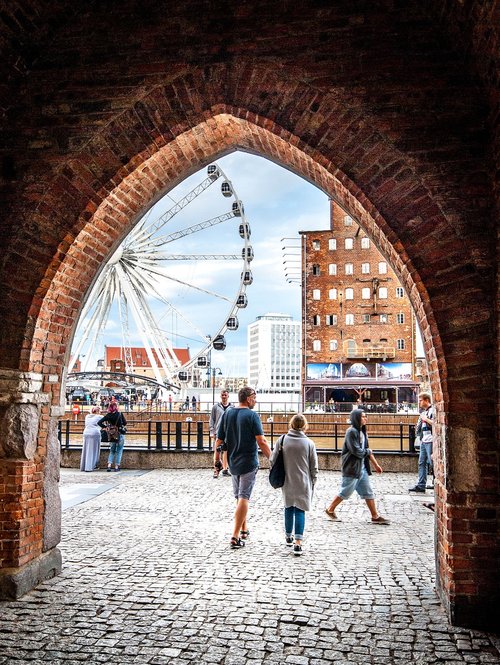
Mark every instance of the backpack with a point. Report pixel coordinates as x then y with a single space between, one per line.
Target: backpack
113 433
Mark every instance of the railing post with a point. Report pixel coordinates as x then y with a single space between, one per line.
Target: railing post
66 434
411 438
336 433
178 435
149 435
59 432
169 434
189 434
159 443
199 435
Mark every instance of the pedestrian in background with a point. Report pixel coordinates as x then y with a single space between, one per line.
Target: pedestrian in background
356 468
301 470
220 455
91 441
424 432
114 417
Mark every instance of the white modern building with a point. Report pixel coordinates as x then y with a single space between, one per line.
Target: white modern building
274 348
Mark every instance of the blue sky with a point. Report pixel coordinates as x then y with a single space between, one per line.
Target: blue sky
277 204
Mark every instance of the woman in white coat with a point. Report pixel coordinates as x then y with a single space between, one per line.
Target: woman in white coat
301 471
91 441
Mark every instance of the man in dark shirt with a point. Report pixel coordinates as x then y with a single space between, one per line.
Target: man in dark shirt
240 431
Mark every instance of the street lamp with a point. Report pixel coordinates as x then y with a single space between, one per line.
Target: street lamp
214 371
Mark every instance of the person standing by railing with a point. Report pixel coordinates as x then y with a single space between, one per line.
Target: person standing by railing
424 433
91 441
115 419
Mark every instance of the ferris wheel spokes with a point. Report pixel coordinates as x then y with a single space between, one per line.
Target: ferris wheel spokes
95 324
148 329
154 227
163 240
161 273
199 257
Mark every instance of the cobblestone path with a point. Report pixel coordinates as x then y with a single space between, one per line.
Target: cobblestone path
149 578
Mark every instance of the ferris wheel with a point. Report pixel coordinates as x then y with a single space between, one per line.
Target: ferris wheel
164 286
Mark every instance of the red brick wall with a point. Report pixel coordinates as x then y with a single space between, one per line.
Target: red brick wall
385 335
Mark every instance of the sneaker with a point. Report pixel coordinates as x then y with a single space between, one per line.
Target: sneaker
380 520
332 516
417 489
289 541
236 543
297 550
226 472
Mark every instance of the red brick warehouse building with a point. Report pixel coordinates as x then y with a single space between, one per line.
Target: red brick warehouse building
390 108
359 329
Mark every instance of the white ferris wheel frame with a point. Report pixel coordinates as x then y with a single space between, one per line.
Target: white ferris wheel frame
129 275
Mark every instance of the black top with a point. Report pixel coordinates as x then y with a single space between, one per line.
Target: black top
115 418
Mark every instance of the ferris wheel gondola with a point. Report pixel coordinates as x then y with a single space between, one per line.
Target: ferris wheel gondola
145 283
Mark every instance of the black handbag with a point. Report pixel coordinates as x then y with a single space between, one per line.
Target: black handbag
277 472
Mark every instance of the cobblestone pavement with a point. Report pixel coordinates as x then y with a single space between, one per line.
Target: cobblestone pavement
149 578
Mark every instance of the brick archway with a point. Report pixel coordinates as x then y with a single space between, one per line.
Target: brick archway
125 203
96 187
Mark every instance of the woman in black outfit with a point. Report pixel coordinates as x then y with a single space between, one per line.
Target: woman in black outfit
114 417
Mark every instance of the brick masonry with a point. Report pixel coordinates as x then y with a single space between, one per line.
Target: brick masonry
326 268
102 112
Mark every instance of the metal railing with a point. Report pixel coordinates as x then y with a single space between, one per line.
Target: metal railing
190 435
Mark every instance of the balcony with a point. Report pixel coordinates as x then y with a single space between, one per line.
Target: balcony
371 352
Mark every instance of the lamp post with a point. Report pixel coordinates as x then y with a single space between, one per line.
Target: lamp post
214 371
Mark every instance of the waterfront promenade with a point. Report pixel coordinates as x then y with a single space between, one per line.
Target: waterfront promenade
148 578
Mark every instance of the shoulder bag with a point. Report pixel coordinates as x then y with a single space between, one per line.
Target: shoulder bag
277 472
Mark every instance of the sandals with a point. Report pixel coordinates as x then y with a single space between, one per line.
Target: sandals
244 534
236 543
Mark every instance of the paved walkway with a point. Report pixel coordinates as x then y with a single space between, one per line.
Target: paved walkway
149 578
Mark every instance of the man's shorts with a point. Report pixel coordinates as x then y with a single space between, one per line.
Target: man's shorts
361 485
243 485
